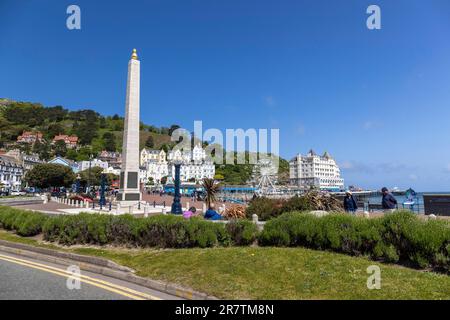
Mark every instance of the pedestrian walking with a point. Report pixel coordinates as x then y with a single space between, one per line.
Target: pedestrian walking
350 205
388 202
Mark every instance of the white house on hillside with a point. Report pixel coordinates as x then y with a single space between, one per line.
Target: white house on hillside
11 173
65 162
152 154
194 164
83 165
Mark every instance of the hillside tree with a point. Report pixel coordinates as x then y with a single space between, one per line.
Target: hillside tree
150 142
109 141
47 175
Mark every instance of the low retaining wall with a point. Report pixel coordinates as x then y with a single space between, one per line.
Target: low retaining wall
259 224
11 202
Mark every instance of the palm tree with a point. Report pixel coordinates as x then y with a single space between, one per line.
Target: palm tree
211 189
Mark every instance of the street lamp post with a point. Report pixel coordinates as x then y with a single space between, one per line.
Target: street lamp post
176 205
89 176
102 201
77 184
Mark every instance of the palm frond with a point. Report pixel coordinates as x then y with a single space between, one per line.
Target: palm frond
211 188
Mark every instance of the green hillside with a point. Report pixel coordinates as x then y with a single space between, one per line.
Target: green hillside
95 131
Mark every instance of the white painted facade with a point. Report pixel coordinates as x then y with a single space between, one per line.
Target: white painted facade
178 155
28 161
83 165
113 170
194 164
314 170
11 174
152 155
155 164
194 170
156 170
197 154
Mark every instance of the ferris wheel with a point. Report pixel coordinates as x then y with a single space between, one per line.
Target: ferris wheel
265 174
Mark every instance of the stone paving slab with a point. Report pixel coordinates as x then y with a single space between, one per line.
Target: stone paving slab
49 206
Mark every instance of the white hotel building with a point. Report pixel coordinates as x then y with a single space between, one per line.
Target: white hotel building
195 165
154 165
317 171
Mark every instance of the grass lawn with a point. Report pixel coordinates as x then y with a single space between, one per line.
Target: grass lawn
271 273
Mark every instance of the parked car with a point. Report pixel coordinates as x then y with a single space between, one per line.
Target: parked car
32 190
55 194
81 198
18 193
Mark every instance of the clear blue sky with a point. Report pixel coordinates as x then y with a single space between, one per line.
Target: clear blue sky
378 101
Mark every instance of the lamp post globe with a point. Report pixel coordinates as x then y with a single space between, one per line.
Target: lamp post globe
102 201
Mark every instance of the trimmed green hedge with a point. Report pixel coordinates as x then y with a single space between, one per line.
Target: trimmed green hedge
397 237
242 232
24 223
165 231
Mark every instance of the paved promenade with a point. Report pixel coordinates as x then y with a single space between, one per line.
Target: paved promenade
169 199
47 207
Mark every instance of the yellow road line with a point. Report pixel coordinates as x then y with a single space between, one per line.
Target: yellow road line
130 293
145 295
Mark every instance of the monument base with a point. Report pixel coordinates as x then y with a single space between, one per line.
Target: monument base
129 197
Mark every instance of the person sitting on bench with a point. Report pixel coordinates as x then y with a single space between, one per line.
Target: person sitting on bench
212 214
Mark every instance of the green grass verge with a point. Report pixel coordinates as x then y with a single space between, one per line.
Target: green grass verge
270 273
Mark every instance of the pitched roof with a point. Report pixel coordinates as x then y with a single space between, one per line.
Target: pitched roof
68 161
9 161
326 155
65 137
153 151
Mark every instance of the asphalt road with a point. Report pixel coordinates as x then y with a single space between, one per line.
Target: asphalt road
29 279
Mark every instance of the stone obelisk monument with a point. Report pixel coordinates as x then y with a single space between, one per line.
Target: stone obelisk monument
129 191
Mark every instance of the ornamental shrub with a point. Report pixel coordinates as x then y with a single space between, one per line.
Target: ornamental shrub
397 237
31 225
264 208
242 232
176 232
121 230
400 236
296 204
25 223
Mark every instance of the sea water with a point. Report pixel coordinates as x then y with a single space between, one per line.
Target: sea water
418 206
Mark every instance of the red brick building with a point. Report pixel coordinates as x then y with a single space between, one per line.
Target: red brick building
70 141
29 137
